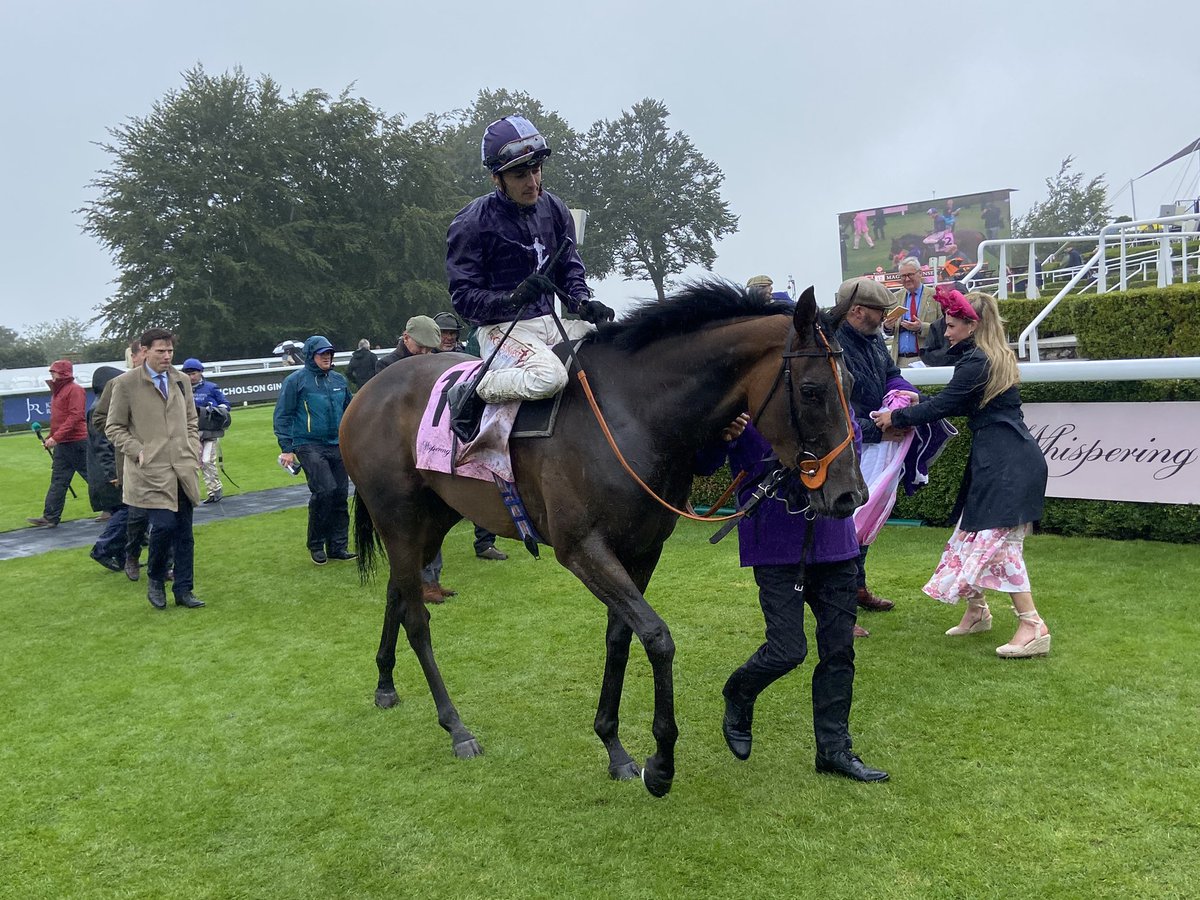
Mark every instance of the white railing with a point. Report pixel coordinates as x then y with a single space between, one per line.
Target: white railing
1162 259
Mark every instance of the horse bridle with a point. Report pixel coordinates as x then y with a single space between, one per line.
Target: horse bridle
813 471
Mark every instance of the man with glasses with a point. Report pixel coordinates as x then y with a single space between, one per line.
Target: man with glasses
920 309
498 247
862 305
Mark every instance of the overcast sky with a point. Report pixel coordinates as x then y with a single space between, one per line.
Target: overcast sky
809 109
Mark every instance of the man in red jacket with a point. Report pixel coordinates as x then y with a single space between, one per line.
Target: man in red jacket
67 441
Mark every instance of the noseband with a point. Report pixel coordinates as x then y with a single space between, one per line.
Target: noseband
813 471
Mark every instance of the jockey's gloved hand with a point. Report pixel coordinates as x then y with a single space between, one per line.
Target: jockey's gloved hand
595 312
533 287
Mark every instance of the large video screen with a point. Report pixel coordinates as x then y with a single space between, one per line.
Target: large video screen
943 233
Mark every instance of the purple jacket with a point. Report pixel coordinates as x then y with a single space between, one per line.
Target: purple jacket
493 245
772 536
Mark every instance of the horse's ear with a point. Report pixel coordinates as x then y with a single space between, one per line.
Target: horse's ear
805 314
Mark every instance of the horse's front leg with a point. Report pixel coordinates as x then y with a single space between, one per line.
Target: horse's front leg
600 570
616 640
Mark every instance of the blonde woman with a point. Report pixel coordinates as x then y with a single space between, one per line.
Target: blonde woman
1005 482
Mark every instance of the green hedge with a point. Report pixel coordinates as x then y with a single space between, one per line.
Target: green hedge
1143 323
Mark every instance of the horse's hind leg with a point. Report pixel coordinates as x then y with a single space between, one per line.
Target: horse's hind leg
616 639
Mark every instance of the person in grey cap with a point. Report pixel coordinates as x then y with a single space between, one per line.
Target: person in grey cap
862 305
451 330
421 335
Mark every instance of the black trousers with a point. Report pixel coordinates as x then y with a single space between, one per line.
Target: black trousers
329 486
829 589
483 539
135 532
69 458
171 539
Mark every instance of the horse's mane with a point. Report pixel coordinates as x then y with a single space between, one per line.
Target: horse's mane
696 305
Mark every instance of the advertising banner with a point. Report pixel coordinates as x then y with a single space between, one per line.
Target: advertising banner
1145 452
943 233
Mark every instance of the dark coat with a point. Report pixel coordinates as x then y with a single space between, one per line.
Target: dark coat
1005 481
362 367
875 373
103 477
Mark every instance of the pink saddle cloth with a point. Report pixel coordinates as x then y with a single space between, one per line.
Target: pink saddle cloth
484 458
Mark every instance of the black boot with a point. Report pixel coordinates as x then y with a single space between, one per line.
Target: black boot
739 716
466 410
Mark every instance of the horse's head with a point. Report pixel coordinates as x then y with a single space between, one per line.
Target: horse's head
807 418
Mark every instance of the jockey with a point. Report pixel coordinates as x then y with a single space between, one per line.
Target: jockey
497 247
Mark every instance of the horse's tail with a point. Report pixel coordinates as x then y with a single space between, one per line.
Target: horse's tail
366 539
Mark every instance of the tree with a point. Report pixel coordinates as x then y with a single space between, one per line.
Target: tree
16 353
654 204
60 339
1070 207
238 217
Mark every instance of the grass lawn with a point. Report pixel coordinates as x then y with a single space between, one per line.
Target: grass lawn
234 751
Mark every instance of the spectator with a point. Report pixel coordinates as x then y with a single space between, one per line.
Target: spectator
862 230
67 440
421 335
993 220
1001 493
916 299
363 365
451 329
212 410
860 309
152 424
761 284
308 414
1073 258
104 481
879 224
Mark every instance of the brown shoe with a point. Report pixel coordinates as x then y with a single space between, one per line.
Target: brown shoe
859 631
445 592
431 594
42 522
132 569
867 600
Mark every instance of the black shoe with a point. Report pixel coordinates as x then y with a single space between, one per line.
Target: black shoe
736 727
109 562
491 553
188 599
319 557
157 595
340 554
214 497
845 763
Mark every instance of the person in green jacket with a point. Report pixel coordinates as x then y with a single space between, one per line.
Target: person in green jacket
307 416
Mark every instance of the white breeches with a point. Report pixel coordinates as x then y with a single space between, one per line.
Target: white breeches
524 367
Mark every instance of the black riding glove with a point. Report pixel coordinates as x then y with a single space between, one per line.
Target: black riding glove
595 312
532 288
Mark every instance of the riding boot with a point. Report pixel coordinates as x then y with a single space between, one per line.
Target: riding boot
466 410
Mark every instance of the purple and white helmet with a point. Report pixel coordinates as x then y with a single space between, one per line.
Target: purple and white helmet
510 142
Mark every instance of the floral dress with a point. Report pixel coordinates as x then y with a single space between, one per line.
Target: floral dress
991 559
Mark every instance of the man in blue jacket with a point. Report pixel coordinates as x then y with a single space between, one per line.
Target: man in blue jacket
307 416
795 561
498 248
212 410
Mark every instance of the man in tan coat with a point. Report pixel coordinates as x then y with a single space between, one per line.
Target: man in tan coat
152 424
920 310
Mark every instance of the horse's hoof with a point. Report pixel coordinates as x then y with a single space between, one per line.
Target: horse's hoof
656 784
386 699
468 749
625 771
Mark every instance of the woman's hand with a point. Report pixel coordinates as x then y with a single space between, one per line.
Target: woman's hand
882 419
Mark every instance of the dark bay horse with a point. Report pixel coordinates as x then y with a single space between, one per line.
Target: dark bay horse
668 379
